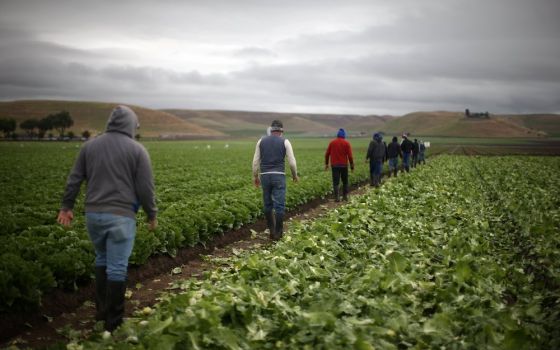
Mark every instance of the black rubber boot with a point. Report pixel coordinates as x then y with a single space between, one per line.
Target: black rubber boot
371 182
336 194
345 192
115 304
100 293
279 226
270 223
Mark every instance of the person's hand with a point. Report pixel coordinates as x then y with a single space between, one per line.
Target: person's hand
257 181
152 224
65 217
352 168
326 167
295 178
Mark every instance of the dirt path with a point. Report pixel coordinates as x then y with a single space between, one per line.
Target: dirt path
75 310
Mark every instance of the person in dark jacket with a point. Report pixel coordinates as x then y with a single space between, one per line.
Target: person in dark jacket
406 146
339 152
394 152
422 153
415 152
268 171
376 154
119 179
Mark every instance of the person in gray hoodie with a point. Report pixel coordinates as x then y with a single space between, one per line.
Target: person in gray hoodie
119 179
376 155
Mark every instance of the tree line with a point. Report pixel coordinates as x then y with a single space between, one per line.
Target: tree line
60 122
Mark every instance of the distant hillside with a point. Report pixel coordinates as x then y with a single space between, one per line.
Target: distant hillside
548 123
240 123
455 124
93 116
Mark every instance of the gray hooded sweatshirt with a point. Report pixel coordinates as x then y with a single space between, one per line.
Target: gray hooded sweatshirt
117 171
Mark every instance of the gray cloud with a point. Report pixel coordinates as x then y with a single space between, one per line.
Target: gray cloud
341 57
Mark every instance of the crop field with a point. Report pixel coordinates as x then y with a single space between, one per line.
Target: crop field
463 253
203 189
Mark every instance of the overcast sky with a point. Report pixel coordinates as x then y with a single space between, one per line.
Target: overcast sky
323 56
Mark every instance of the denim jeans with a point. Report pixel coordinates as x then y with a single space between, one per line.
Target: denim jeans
113 239
375 166
406 159
274 192
393 163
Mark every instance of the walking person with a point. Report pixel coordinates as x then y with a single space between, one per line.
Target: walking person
376 154
394 152
268 172
339 152
415 152
422 153
119 180
406 147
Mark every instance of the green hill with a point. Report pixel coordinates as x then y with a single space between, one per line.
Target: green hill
93 116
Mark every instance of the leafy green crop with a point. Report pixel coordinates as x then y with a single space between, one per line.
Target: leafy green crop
460 254
203 190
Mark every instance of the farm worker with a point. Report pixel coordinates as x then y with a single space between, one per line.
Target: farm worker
393 154
422 153
339 152
415 152
119 180
406 146
268 172
376 154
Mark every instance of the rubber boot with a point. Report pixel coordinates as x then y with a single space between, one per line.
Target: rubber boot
270 223
100 293
336 194
115 304
279 226
345 192
371 180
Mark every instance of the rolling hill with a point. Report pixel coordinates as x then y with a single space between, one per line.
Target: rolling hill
455 124
240 123
93 116
184 123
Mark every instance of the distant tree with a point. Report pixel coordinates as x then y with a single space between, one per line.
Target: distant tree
29 125
45 124
70 135
86 134
7 126
61 121
137 137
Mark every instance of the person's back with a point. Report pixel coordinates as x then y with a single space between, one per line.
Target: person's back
117 170
273 152
394 150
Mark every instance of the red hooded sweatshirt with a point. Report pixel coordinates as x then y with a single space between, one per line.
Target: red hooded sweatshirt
340 153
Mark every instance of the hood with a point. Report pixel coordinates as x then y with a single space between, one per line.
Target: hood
341 133
123 120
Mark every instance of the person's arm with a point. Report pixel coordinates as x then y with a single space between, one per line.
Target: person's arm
327 155
369 151
145 189
350 157
291 159
73 184
257 164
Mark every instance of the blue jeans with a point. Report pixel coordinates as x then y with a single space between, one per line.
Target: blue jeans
375 166
274 192
113 239
393 163
406 159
